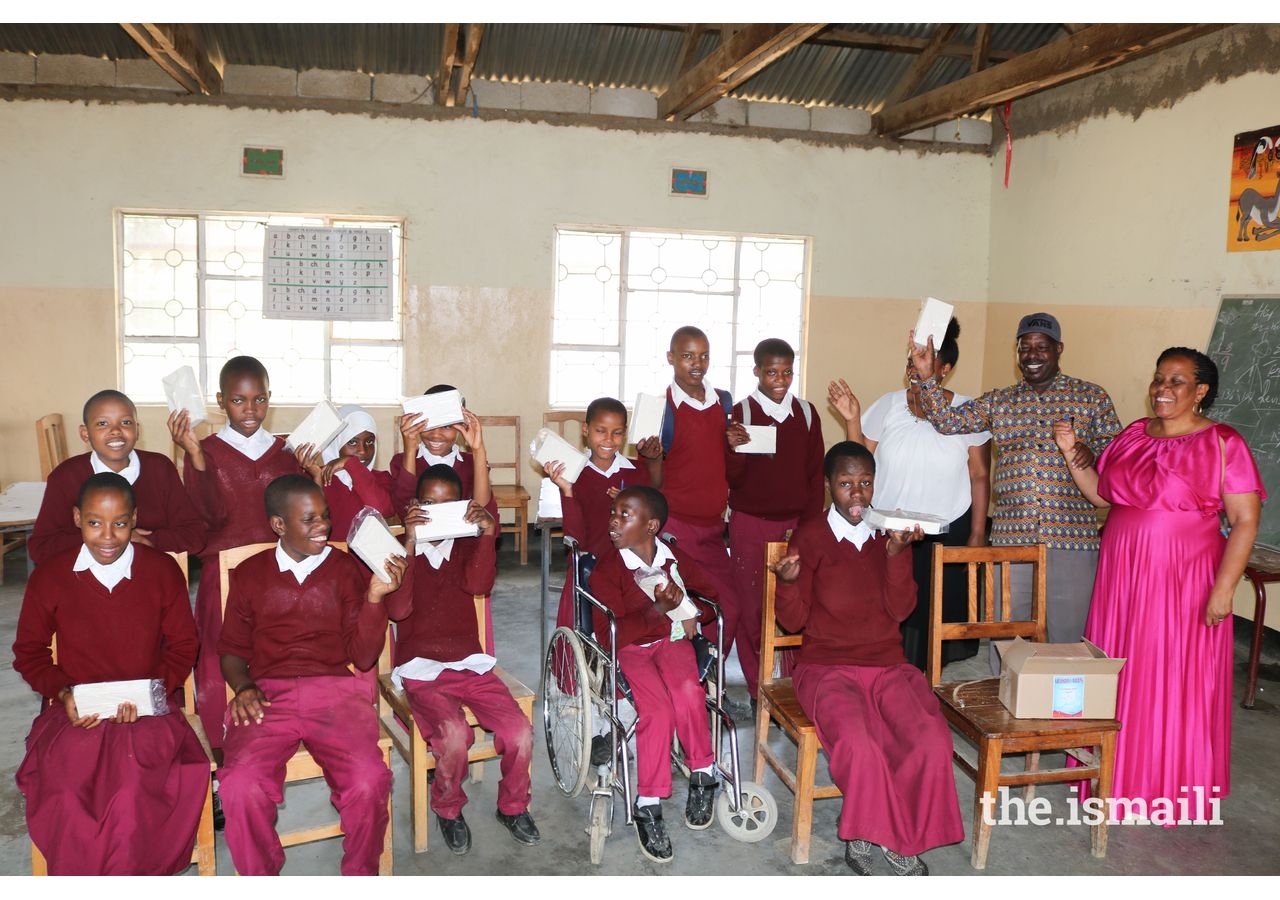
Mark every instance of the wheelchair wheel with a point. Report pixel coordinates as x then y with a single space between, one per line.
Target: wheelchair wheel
601 823
756 816
566 711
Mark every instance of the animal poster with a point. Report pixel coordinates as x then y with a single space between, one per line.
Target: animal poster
1254 210
327 273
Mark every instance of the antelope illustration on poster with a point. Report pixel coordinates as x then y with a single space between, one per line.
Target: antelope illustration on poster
1254 207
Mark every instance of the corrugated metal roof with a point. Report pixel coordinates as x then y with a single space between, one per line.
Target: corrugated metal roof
607 55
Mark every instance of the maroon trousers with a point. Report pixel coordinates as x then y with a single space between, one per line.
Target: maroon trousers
890 754
705 544
334 718
437 708
669 702
747 536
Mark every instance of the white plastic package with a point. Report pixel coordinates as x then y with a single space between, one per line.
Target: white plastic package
444 408
935 316
105 697
905 520
372 541
183 392
548 446
646 418
320 427
447 521
764 439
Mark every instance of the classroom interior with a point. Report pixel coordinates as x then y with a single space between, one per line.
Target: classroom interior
1113 220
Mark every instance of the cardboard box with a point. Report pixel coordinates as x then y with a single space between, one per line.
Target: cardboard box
1057 681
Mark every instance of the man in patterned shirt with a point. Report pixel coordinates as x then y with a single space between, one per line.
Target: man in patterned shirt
1036 500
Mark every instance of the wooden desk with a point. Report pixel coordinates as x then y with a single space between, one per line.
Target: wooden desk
1263 569
19 505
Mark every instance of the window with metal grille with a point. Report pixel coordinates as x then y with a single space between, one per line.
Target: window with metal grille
190 291
619 295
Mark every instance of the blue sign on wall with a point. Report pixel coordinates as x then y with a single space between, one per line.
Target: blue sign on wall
692 182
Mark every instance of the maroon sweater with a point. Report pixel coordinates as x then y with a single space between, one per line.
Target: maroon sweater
848 602
228 493
435 609
638 620
586 513
290 630
163 508
783 485
405 486
141 629
693 476
367 489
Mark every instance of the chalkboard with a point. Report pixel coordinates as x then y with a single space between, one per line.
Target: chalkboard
1246 347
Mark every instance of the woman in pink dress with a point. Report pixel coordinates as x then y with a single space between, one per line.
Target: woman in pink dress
1166 576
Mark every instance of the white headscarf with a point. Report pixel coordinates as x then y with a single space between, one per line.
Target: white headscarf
357 420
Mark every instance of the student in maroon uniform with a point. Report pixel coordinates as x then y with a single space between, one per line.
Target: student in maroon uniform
118 796
693 474
769 494
226 475
166 518
344 470
297 616
657 662
441 665
586 502
848 589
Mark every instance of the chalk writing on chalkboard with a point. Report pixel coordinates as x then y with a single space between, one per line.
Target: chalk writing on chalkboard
1246 347
327 273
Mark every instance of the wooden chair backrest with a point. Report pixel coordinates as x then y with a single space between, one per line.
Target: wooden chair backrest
511 463
772 637
568 422
51 443
990 614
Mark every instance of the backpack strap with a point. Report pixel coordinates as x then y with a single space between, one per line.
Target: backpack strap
746 411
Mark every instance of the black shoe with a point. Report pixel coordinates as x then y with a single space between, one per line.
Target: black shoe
857 855
700 808
905 865
601 750
219 820
652 832
457 836
521 827
704 650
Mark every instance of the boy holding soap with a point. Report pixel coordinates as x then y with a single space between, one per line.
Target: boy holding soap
226 476
167 520
442 667
847 589
118 796
428 445
586 503
659 664
298 614
769 494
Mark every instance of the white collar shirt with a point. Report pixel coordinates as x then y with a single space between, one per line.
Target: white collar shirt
253 446
844 531
108 575
449 459
437 553
300 568
620 462
709 397
129 473
779 412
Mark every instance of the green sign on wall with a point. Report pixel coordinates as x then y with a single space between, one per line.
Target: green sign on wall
262 161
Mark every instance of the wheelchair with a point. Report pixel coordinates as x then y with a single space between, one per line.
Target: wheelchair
584 685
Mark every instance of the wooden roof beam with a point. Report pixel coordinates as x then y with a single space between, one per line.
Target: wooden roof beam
981 49
180 51
893 43
912 78
1093 49
448 59
690 48
748 51
475 33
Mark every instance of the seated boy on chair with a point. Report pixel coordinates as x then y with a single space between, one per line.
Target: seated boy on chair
297 615
889 748
441 665
658 663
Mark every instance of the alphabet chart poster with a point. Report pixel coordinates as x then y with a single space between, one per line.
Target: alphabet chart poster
327 273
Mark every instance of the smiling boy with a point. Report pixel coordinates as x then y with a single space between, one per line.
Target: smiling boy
297 615
167 520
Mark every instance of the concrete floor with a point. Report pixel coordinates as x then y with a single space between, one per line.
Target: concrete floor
1248 841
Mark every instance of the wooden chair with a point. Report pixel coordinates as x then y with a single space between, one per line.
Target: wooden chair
302 766
974 709
51 442
511 496
203 854
776 702
397 721
568 422
212 425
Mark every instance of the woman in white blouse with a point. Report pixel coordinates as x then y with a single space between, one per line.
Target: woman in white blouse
920 470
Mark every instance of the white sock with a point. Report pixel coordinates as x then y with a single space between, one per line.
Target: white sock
648 801
707 770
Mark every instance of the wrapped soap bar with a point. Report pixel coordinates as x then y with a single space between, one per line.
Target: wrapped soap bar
181 391
105 697
548 446
372 541
320 427
447 521
444 408
905 520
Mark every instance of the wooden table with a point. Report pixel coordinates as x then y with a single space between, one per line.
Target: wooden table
19 505
1262 569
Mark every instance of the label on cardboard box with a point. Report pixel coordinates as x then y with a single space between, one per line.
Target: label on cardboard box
1068 697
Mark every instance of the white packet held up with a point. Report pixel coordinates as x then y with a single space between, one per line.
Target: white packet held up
371 540
182 392
549 446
